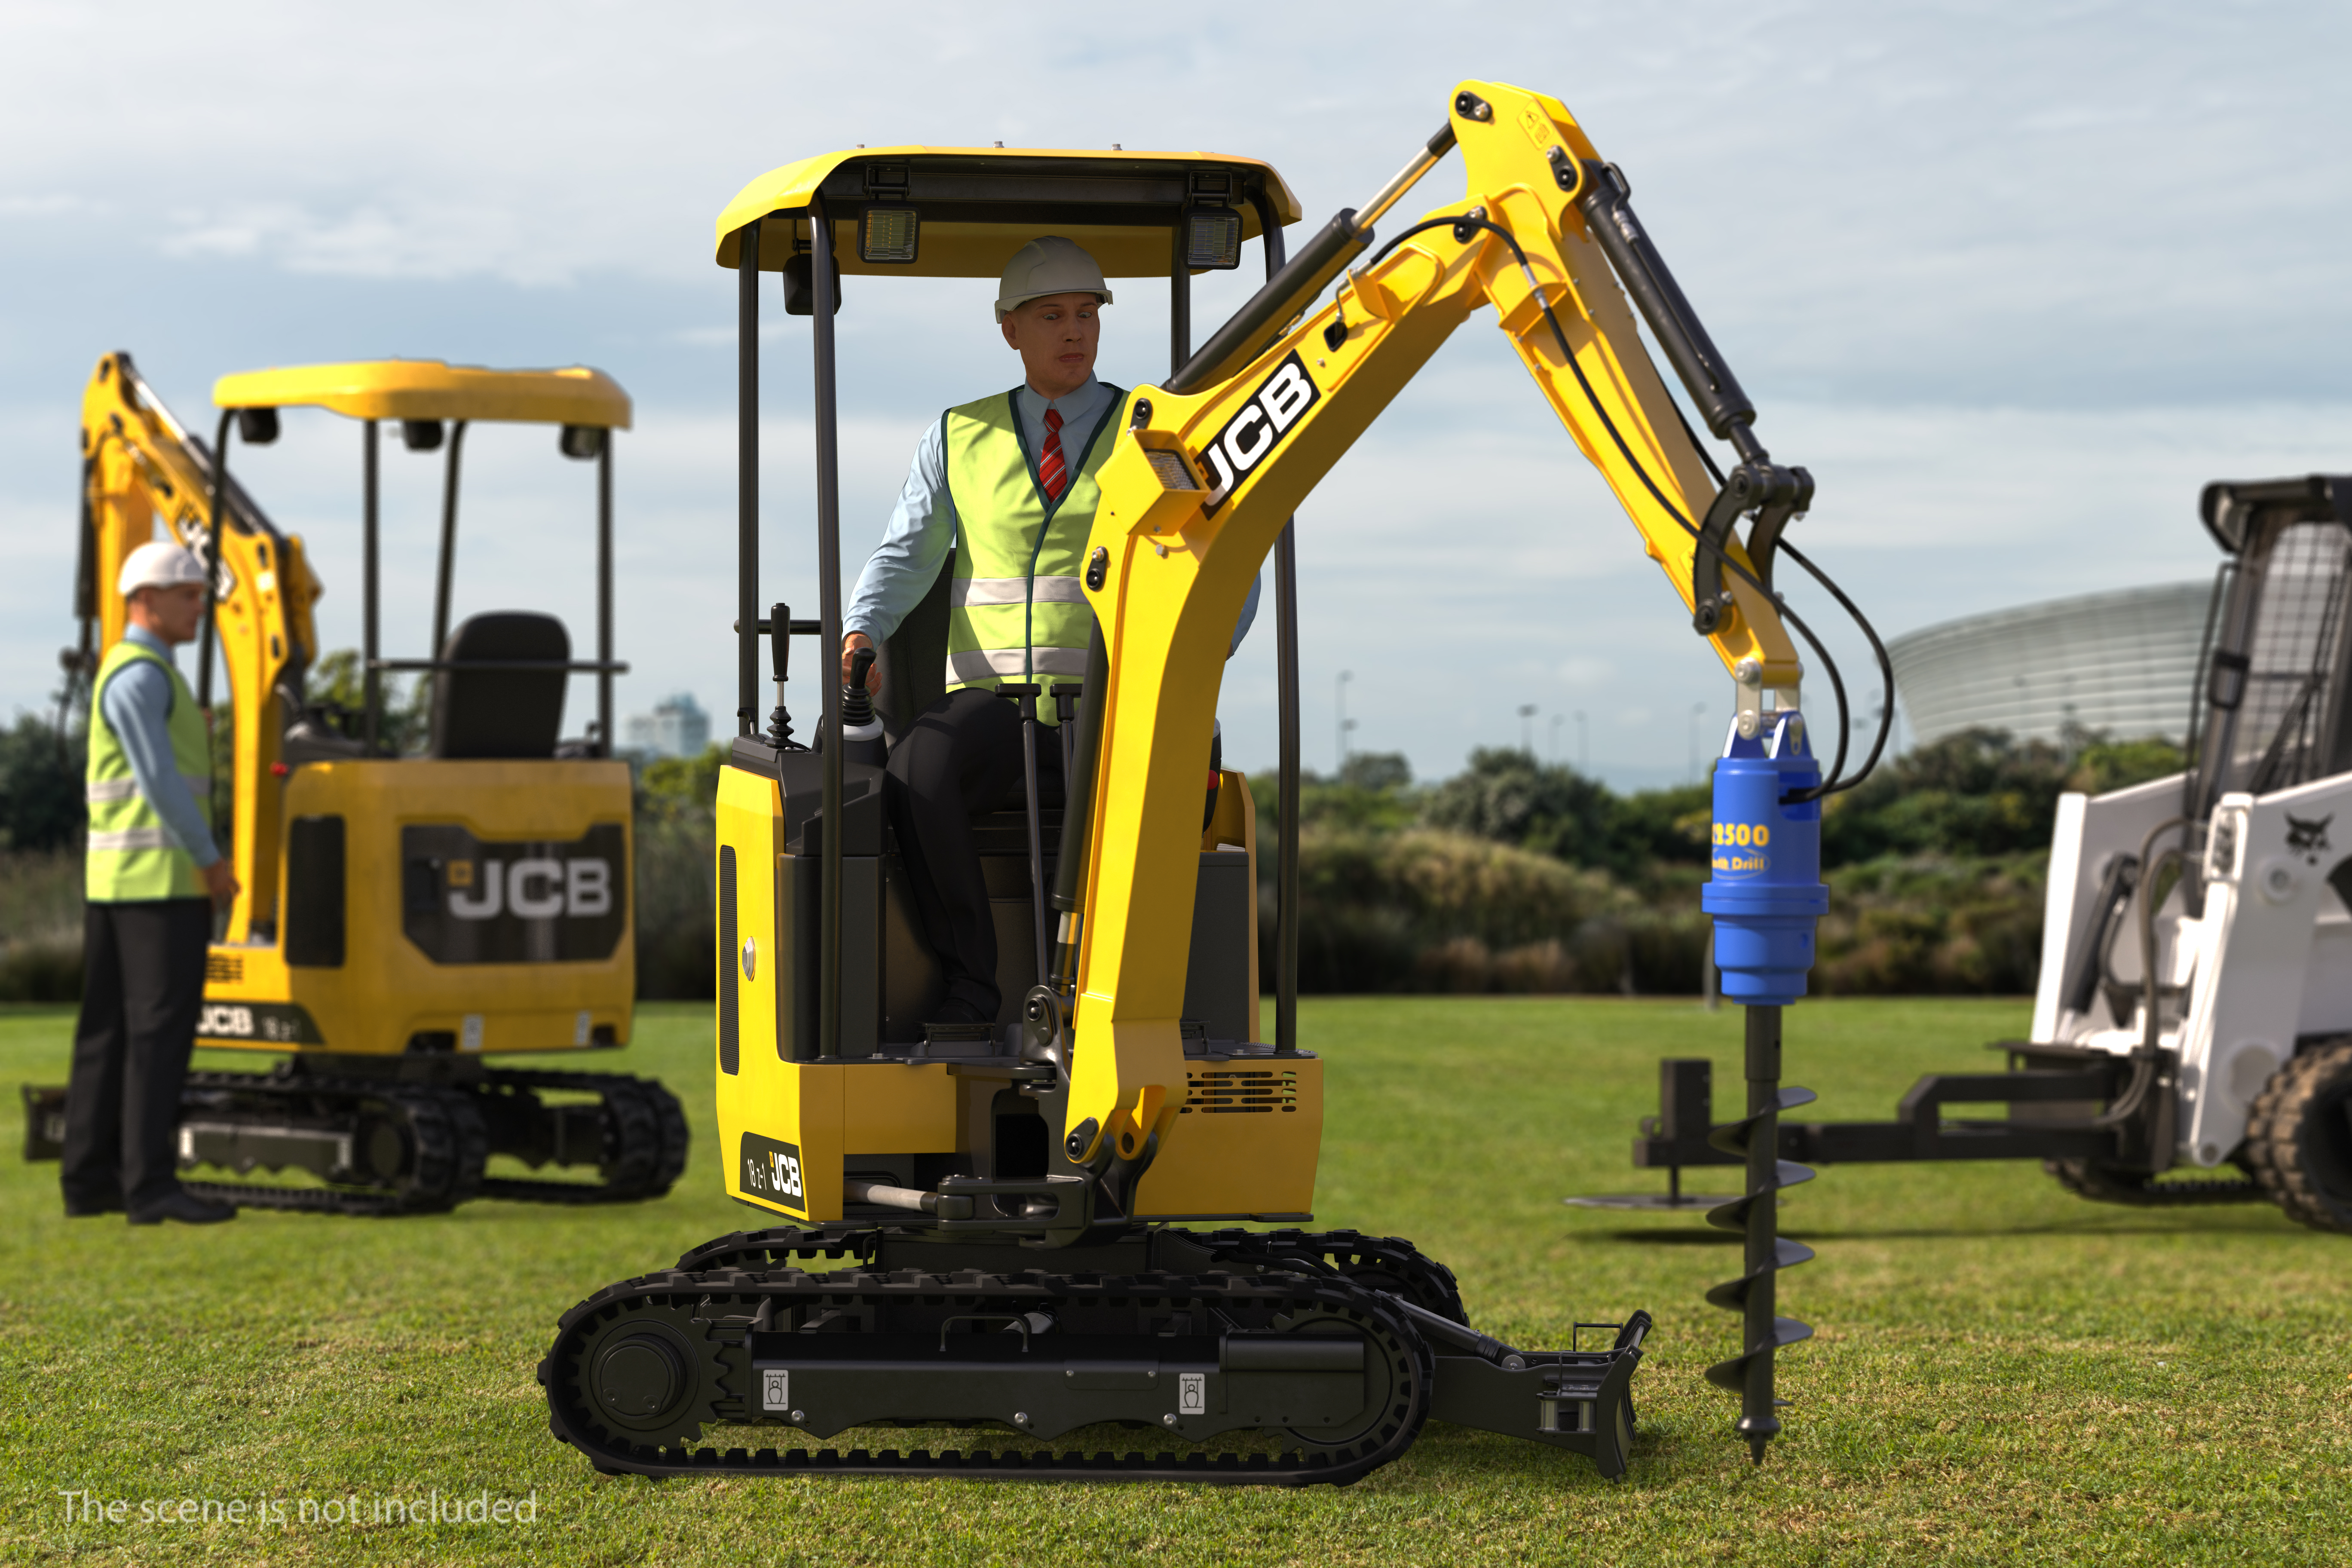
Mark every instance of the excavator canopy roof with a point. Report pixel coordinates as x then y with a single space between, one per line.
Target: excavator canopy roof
961 212
428 389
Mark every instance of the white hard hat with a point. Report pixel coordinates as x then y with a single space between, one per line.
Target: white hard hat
1048 265
159 563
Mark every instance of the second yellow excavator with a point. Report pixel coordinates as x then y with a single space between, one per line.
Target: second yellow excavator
402 918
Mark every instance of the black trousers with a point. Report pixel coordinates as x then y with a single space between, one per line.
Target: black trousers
143 987
962 759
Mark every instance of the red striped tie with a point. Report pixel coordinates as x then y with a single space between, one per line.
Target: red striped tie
1052 472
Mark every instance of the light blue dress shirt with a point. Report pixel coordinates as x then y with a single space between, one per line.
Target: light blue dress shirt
923 524
137 703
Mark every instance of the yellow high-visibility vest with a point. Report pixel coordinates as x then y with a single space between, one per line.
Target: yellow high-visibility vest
1017 608
132 856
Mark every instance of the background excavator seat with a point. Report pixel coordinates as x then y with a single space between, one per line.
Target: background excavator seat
500 713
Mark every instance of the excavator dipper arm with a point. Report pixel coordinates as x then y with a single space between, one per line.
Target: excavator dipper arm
1212 467
139 467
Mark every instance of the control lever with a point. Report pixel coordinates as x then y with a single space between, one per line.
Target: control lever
861 728
780 653
1066 708
1027 695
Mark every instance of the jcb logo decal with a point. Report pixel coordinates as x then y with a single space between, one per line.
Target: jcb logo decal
469 900
273 1023
536 889
222 1022
771 1170
1259 428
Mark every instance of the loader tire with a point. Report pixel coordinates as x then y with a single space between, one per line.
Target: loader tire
2299 1137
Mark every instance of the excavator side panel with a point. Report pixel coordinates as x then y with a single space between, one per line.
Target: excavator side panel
440 906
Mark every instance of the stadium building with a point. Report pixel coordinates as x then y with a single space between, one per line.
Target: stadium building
2120 664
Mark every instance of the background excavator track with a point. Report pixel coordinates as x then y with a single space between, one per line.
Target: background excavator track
420 1148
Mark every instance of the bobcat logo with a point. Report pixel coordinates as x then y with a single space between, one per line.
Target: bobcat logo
2308 839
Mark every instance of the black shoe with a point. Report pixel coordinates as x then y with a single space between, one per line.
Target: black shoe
87 1208
956 1010
185 1206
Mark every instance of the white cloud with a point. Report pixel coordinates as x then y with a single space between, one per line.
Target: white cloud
2013 280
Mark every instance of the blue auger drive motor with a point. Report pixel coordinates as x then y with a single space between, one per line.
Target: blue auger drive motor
1766 892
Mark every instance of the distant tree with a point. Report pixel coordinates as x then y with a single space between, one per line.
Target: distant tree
1660 825
1506 796
337 683
2105 765
1376 794
1377 771
1978 791
40 786
677 845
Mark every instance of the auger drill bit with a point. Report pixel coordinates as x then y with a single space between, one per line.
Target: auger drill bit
1754 1295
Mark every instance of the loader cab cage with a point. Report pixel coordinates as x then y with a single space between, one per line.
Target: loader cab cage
2270 706
961 212
492 674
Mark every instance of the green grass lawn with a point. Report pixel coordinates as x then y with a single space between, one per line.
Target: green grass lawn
2000 1372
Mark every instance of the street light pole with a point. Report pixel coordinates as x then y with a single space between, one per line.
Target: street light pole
1552 739
1528 730
1339 698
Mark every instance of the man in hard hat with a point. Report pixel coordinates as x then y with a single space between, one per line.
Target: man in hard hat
1010 482
153 879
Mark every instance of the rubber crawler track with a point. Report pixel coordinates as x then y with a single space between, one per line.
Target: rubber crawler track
441 1127
446 1141
1386 1262
713 1313
645 1138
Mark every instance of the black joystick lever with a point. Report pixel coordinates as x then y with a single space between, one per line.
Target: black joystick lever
861 728
856 702
780 651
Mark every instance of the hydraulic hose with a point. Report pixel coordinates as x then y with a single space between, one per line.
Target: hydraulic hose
2144 1060
1834 782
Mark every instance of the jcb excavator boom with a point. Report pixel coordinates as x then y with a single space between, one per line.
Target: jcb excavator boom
1215 463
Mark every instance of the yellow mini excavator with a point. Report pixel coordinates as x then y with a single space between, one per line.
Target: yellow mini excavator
1006 1226
402 917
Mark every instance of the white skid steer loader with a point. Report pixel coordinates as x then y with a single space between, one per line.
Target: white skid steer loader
2195 1002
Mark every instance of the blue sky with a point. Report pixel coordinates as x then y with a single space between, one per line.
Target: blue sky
2013 280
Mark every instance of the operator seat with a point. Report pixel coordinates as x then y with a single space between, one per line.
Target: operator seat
480 713
913 660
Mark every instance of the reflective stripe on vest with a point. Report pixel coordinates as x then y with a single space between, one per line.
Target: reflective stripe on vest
132 856
132 838
123 789
968 666
1017 608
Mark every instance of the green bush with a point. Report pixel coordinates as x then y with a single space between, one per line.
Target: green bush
1933 925
1432 910
1516 876
40 786
40 925
677 848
